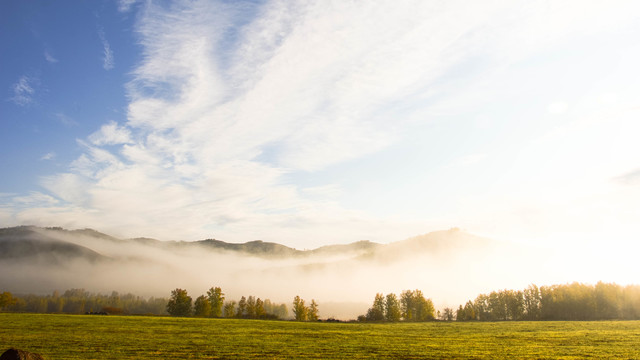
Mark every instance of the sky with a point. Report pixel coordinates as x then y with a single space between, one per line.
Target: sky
323 122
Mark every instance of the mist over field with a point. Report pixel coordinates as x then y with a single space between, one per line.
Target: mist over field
449 266
351 137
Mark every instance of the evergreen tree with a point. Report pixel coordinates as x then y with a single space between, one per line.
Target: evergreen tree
251 307
242 307
312 313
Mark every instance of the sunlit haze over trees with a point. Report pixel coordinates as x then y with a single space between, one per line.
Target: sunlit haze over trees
321 155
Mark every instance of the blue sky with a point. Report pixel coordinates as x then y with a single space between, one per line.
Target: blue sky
321 122
59 84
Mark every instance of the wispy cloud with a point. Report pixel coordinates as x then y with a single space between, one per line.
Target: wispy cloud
111 134
23 91
125 5
49 57
65 119
108 61
630 178
48 156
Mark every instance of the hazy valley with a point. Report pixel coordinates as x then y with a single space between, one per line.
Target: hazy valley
449 266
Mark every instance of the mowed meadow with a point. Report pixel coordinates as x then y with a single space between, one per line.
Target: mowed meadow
139 337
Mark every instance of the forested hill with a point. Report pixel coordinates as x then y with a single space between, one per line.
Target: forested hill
57 243
29 243
262 248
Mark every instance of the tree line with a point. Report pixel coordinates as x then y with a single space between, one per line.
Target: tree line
213 304
575 301
304 313
411 306
80 301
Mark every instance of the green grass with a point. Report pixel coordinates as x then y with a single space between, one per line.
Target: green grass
132 337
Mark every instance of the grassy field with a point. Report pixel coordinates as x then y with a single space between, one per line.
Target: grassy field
131 337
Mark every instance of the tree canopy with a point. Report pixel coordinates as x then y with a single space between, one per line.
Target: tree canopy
180 303
412 307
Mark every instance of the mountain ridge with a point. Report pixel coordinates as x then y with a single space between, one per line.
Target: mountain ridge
30 241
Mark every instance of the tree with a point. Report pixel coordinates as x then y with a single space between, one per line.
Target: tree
299 310
608 301
415 307
251 307
531 303
406 305
447 314
261 313
242 307
279 311
498 306
481 305
392 308
179 304
312 312
114 300
515 304
6 300
466 313
376 312
470 311
229 309
460 316
631 302
202 307
424 309
216 299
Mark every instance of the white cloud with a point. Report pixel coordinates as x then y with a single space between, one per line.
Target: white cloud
50 58
111 134
33 198
65 119
125 5
630 178
108 61
23 91
48 156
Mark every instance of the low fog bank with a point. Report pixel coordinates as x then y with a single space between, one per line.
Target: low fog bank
450 267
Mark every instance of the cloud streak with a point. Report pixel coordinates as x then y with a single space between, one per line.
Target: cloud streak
125 5
108 61
50 58
630 178
23 91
